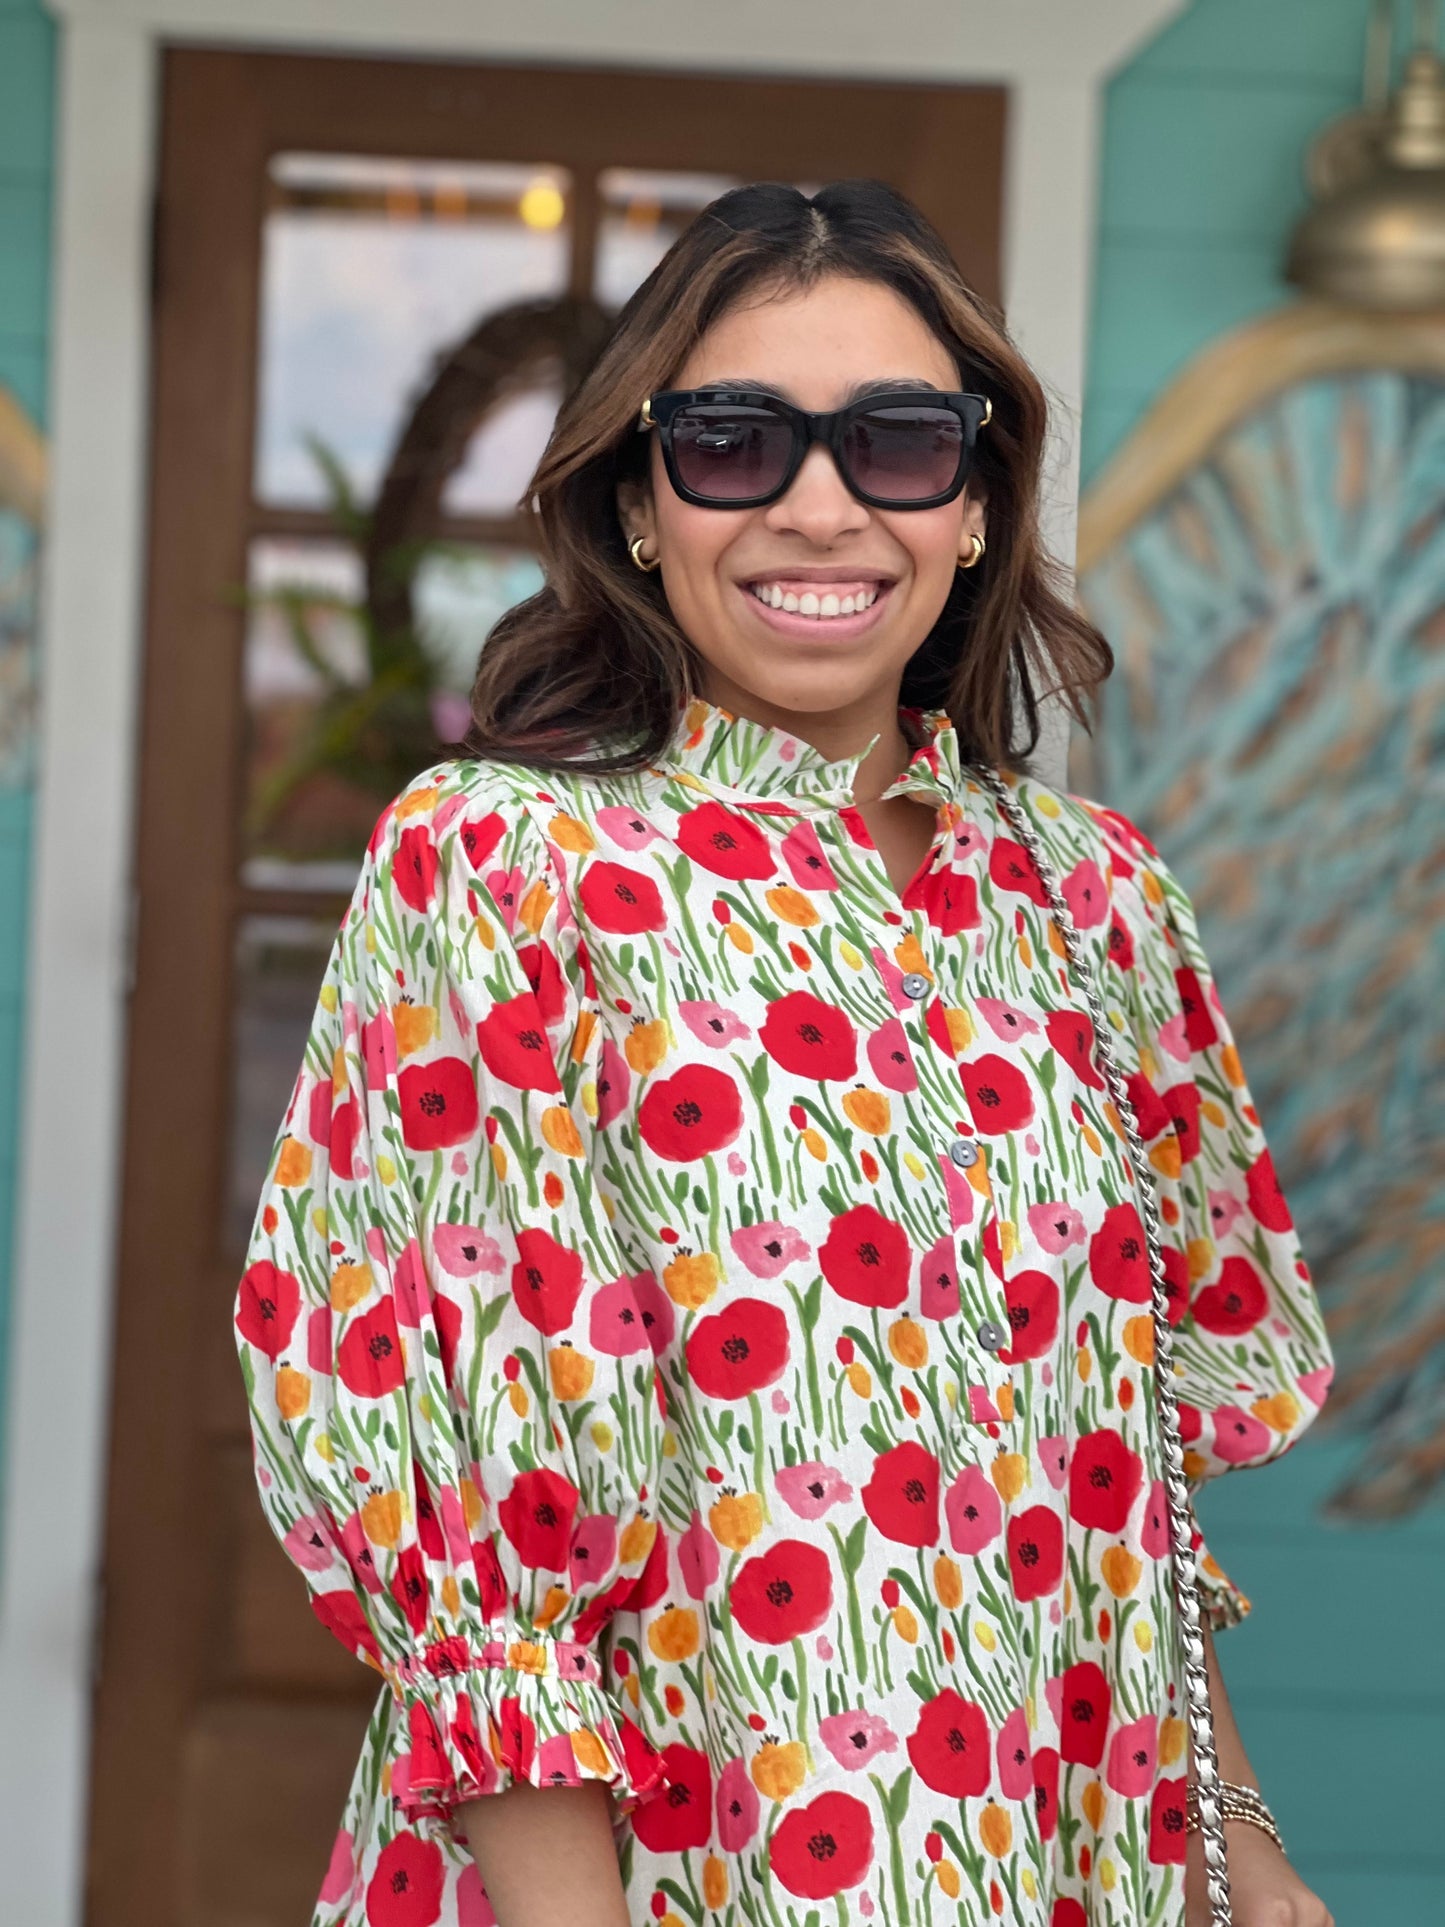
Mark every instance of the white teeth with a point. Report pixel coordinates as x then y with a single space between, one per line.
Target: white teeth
809 604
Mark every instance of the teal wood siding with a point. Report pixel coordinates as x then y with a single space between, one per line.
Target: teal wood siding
1338 1676
27 91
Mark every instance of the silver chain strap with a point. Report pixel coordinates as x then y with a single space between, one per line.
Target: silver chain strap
1201 1721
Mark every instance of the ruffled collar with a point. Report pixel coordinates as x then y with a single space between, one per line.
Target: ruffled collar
720 752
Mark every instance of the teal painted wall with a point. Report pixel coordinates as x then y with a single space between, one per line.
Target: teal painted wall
27 65
1338 1676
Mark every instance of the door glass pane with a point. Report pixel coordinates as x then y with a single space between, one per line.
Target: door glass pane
643 210
370 268
322 761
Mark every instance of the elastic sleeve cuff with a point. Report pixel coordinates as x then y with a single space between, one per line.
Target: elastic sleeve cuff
477 1718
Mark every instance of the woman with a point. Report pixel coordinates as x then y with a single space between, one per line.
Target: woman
698 1323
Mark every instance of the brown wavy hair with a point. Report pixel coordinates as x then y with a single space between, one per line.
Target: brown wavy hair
588 674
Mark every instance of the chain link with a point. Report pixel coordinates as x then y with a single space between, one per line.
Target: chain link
1186 1593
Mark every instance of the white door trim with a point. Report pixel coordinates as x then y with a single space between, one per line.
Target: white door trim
1053 55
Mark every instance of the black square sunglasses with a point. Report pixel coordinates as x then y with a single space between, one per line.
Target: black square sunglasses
740 448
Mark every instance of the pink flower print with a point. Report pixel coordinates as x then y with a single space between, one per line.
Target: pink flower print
810 1489
959 1192
341 1871
973 1511
1224 1208
712 1023
592 1552
823 1646
737 1807
1054 1698
782 1404
698 1558
1054 1459
737 1165
1031 1145
318 1339
357 1548
625 827
461 1164
856 1739
409 1288
1238 1436
1015 1757
1155 1535
378 1050
464 1250
310 1543
1315 1385
1006 1020
473 1907
1087 894
889 1057
656 1309
1174 1038
614 1084
1056 1226
938 1278
556 1762
506 887
454 1526
615 1321
768 1249
806 861
1132 1757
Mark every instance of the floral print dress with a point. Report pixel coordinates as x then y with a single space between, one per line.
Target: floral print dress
698 1335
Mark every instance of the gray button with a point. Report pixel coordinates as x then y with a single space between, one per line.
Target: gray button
992 1335
964 1152
916 985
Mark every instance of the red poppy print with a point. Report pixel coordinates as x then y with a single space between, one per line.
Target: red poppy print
480 836
811 1039
537 1516
514 1046
783 1592
414 870
1119 1256
1182 1102
1235 1303
1033 1315
406 1888
1012 868
1168 1838
948 900
1035 1552
345 1129
438 1104
690 1115
999 1095
866 1258
369 1357
342 1615
1072 1035
819 1850
1266 1200
267 1307
1199 1027
951 1747
1085 1723
621 899
546 1281
901 1498
1046 1791
740 1350
679 1815
725 843
1106 1476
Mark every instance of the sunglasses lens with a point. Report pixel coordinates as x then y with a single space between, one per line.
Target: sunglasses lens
730 454
905 454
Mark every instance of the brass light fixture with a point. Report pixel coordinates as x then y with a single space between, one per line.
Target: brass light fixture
1375 237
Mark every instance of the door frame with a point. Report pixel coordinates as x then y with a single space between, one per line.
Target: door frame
1053 55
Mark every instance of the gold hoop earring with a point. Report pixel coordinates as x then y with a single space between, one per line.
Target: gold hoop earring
979 545
634 549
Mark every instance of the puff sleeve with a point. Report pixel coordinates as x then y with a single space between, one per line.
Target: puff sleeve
1253 1362
455 1406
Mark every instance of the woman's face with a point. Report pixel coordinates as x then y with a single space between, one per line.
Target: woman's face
813 347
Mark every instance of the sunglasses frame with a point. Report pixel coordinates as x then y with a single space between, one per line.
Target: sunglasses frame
658 410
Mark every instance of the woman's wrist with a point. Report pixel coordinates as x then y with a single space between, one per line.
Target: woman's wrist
1238 1801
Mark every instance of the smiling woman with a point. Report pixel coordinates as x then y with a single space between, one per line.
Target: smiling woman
736 1318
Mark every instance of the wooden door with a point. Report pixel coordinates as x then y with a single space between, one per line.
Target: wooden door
323 228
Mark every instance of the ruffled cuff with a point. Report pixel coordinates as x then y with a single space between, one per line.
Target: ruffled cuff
1221 1602
475 1718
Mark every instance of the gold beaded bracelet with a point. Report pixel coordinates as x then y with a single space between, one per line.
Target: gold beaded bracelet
1236 1803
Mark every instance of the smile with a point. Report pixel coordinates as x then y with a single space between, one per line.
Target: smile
821 604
